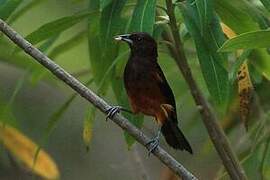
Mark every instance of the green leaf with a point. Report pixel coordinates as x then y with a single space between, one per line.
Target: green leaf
235 16
20 12
104 3
102 47
110 23
55 27
266 4
237 64
88 126
265 163
208 37
260 59
240 18
252 163
8 7
94 47
249 40
6 115
143 17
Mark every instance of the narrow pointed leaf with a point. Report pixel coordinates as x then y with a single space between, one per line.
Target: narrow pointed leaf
24 149
249 40
266 4
20 12
55 27
233 14
208 37
88 126
8 7
104 3
143 17
242 18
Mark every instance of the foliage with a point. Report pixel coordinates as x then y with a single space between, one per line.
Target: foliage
215 56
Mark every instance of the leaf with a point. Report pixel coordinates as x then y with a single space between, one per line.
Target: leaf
266 4
245 86
249 40
24 149
104 3
88 126
44 47
143 17
55 27
240 18
252 163
265 163
102 47
245 91
20 12
207 43
6 110
234 15
8 7
237 64
110 23
94 47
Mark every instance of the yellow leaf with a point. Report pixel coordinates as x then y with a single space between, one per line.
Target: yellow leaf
87 134
245 90
245 87
24 149
87 128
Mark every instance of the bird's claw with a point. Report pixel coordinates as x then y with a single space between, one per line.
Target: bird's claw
153 144
112 111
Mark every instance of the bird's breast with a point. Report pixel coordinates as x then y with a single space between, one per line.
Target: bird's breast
142 89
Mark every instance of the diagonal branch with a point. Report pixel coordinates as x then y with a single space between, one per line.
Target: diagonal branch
86 93
215 132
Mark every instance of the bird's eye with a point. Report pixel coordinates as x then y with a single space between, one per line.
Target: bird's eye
139 38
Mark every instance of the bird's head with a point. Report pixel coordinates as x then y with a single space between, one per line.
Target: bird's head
140 43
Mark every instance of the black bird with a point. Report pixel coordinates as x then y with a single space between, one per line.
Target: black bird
148 91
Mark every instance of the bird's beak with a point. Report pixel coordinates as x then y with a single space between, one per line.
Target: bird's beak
124 37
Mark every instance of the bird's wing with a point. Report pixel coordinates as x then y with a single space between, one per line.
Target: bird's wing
165 89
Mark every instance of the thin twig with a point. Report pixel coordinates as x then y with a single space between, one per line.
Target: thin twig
215 132
98 102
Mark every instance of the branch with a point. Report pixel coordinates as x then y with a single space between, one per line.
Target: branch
98 102
215 132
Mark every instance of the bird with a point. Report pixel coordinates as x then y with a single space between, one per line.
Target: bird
148 90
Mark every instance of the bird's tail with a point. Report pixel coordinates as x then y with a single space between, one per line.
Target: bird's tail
174 137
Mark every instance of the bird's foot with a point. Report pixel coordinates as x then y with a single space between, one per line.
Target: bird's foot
114 110
153 144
